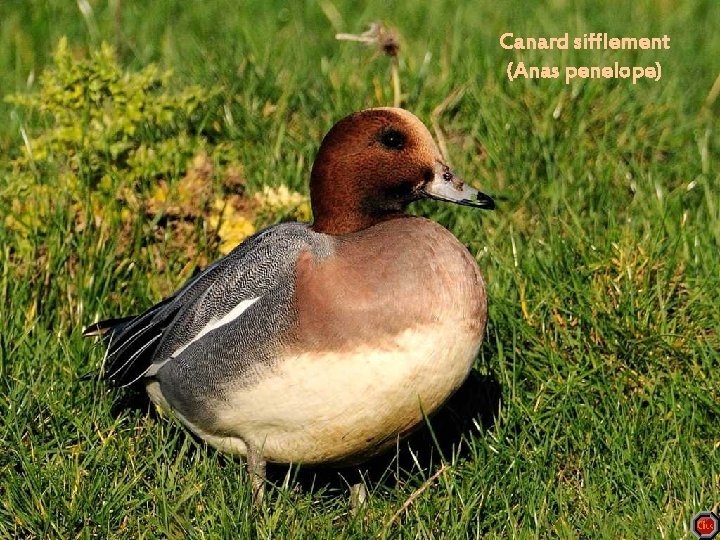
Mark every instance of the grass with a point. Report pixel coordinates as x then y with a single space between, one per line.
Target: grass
601 261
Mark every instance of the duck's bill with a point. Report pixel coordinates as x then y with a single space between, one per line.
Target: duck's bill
445 186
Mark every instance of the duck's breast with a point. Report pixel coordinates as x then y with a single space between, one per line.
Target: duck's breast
390 278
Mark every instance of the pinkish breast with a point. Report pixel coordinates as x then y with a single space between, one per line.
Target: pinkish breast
397 275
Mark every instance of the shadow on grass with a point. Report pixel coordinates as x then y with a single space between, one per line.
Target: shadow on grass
474 406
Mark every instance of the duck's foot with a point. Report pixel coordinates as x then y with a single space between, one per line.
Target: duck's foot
256 472
358 497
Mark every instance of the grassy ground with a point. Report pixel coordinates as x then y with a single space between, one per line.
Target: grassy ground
601 261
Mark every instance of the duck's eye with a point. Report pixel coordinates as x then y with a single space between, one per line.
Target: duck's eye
392 139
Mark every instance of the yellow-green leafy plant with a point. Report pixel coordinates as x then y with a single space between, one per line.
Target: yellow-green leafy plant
100 120
94 133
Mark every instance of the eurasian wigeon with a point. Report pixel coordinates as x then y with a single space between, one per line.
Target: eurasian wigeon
323 342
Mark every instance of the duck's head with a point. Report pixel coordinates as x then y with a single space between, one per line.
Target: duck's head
375 162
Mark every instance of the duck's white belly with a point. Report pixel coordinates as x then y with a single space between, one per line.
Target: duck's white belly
332 407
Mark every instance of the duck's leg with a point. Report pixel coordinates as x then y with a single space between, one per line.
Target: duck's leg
256 472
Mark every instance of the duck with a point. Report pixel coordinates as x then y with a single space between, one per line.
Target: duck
321 343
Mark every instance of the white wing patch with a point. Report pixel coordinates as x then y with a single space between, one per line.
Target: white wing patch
213 324
233 314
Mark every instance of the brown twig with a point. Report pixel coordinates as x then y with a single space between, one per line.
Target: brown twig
414 495
713 94
395 73
451 99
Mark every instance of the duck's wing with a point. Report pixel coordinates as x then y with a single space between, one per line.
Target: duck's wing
139 346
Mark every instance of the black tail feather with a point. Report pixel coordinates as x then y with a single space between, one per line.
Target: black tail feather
111 326
131 342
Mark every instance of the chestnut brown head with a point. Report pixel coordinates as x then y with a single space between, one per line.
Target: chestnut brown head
372 164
